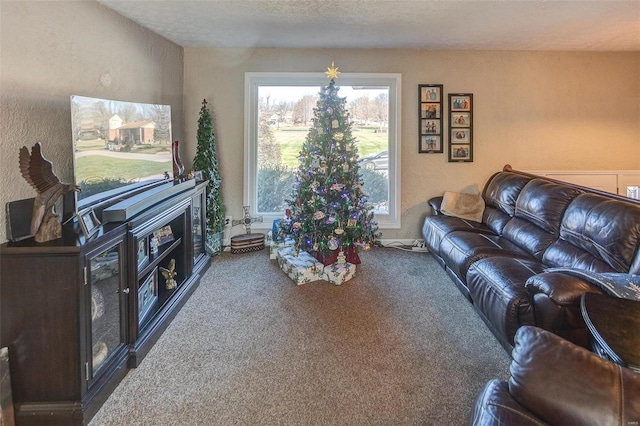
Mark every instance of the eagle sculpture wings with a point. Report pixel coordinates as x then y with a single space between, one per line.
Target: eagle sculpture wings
170 275
38 171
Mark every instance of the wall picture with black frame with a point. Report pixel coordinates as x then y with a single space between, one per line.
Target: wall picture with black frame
430 118
461 127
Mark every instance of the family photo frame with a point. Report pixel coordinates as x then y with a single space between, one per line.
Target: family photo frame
89 223
430 114
147 295
143 252
460 127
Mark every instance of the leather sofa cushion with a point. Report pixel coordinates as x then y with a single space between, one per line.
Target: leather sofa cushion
543 203
529 237
495 219
539 210
605 228
495 407
565 384
497 289
562 254
460 249
435 228
502 190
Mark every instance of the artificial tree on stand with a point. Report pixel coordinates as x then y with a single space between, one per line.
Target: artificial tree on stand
206 161
329 215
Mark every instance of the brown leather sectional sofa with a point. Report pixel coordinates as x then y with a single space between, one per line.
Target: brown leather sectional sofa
531 224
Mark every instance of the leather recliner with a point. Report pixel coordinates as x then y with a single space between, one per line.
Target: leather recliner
554 382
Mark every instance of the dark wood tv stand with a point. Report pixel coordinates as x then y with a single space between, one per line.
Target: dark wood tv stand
76 314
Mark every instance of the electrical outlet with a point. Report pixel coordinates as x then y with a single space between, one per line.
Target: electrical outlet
228 220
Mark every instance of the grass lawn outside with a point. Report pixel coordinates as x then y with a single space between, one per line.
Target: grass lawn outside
291 140
92 168
100 144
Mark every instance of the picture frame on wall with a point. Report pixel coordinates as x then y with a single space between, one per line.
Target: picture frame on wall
460 152
430 139
431 127
430 143
460 102
460 127
461 119
430 110
460 135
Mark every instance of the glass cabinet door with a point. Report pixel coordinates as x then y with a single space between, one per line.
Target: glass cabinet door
197 226
107 331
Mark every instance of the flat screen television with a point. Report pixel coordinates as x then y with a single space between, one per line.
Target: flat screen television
119 148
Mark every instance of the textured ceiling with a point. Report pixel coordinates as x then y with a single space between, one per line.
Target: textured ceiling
427 24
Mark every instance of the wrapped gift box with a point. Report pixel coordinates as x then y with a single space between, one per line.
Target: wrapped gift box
338 273
285 251
274 246
302 269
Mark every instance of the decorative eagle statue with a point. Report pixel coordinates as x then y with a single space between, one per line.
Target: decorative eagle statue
170 275
38 171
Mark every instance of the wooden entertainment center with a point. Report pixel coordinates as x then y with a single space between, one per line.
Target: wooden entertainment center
77 313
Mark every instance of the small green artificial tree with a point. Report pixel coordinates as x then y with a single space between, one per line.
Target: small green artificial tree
329 211
206 160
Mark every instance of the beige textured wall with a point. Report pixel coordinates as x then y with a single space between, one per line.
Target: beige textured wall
533 110
52 50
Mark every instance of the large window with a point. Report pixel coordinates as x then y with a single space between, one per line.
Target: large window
279 108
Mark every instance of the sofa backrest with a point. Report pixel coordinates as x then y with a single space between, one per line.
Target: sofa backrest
598 233
500 195
539 210
562 224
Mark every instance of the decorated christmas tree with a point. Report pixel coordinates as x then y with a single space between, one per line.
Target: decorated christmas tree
329 213
206 161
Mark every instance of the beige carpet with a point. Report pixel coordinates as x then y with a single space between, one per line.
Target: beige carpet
396 345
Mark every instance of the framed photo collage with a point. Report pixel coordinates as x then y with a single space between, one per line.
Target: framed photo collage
432 137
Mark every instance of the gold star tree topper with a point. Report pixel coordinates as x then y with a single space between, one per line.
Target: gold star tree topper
332 71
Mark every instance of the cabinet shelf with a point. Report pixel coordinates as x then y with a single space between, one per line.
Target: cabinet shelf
154 260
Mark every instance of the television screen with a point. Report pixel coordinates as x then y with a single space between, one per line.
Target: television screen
118 145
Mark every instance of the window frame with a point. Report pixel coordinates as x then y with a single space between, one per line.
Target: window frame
253 80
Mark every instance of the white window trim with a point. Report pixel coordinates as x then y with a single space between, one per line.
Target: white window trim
255 79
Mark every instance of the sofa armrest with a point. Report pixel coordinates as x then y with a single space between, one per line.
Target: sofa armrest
435 204
564 384
494 406
556 305
562 289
